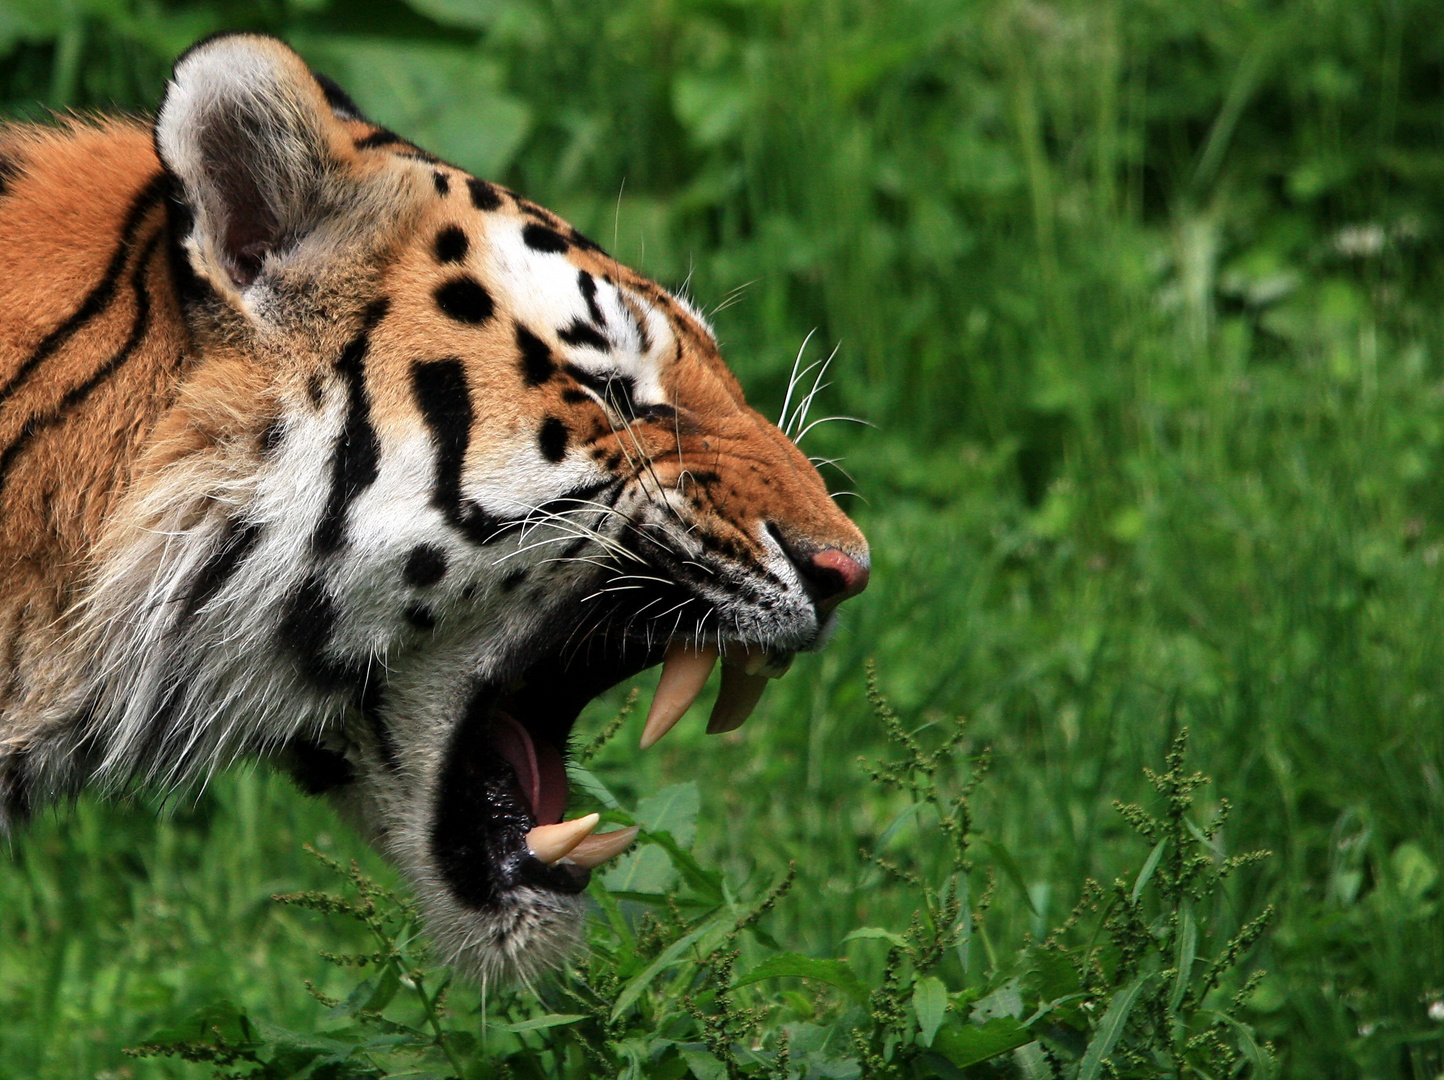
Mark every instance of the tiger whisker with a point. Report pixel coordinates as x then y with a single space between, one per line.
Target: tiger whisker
792 380
799 416
829 419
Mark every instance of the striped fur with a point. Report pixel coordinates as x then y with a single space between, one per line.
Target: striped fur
308 438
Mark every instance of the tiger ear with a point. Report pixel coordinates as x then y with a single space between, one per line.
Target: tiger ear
258 149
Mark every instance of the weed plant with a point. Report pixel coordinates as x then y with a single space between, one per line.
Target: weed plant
684 979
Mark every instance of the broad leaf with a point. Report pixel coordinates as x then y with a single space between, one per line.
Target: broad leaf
837 973
930 1002
969 1044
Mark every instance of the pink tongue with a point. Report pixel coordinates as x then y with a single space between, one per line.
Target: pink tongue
539 769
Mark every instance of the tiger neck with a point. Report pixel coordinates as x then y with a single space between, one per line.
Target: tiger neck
91 338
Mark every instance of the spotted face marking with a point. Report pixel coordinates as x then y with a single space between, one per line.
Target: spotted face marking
420 616
484 196
451 246
464 300
552 439
541 238
537 362
425 566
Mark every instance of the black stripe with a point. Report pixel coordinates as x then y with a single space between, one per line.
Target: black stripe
567 501
340 101
616 390
315 768
588 285
379 137
445 403
579 333
100 296
236 543
543 238
369 704
537 364
585 242
308 622
355 461
484 196
190 287
76 395
9 170
15 795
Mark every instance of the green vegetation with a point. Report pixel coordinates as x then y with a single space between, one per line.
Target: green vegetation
1138 298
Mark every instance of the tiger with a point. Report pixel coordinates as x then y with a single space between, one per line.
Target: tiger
316 449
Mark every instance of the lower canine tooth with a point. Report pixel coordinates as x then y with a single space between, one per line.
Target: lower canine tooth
595 850
737 697
550 843
684 673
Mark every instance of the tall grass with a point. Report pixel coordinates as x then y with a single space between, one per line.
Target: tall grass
1141 299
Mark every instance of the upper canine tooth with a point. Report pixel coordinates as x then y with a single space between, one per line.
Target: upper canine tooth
736 699
595 850
550 843
684 673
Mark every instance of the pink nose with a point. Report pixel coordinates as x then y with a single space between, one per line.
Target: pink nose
835 577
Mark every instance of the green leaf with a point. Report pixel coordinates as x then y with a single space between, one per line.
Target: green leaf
1009 865
1414 872
930 1002
704 938
669 819
706 883
672 810
969 1044
1006 1000
711 108
373 995
837 973
646 870
907 814
588 782
964 925
1183 958
541 1023
1110 1028
1265 1065
221 1022
702 1064
1146 874
868 933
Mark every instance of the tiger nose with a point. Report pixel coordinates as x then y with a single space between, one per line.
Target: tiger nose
830 576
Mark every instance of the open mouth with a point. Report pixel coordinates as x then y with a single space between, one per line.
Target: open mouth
501 821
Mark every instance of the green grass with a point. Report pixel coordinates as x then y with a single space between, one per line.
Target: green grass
1141 298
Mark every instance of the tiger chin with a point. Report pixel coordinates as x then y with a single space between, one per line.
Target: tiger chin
314 447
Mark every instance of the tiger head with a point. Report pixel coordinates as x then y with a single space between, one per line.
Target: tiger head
432 473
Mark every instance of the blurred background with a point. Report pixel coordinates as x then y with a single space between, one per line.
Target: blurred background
1140 301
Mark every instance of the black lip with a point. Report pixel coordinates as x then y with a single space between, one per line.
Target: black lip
478 835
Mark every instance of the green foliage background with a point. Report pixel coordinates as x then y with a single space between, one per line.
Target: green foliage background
1141 299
